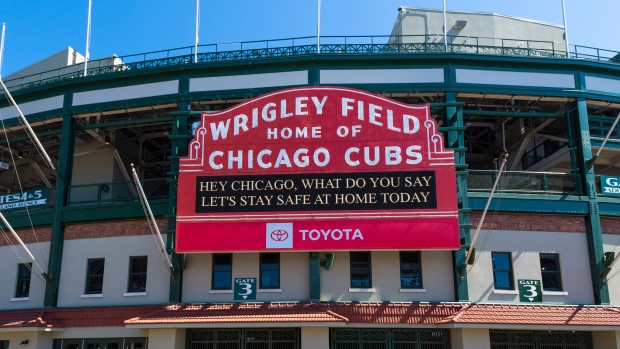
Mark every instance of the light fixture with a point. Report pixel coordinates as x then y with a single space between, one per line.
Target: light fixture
107 139
20 154
459 24
24 342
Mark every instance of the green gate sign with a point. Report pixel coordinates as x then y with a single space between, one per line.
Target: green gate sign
530 291
610 186
245 289
28 198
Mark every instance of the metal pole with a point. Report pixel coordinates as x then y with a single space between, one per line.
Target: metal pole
21 244
318 29
611 130
150 217
2 46
87 55
445 30
484 212
565 29
197 27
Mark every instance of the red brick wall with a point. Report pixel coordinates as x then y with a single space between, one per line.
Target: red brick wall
610 225
530 222
111 229
41 234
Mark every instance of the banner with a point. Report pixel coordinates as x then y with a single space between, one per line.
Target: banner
328 167
30 198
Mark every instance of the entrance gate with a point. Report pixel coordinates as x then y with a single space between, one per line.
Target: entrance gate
540 340
388 339
281 338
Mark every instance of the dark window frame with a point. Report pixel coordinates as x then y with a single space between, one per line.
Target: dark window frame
360 269
404 269
509 271
264 269
93 275
223 271
140 276
21 269
551 275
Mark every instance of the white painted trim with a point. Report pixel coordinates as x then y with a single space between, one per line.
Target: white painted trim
602 84
33 107
134 294
555 293
20 299
515 78
126 92
362 290
220 291
236 82
269 290
513 292
382 76
98 295
412 290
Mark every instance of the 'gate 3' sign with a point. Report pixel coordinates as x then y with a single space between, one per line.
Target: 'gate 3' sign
318 168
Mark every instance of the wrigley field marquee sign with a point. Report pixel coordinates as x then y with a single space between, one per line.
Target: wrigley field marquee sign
317 169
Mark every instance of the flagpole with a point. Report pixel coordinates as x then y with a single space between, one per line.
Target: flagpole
445 34
565 29
90 4
197 27
2 46
318 29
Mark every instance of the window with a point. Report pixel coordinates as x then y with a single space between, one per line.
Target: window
94 277
4 344
222 272
502 270
550 271
410 270
360 270
137 274
269 270
23 280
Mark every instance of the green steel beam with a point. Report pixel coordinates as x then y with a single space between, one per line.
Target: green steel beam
111 211
551 204
456 140
130 122
64 170
315 277
517 114
179 149
27 137
594 235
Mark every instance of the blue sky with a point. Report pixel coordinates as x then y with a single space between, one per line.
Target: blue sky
136 26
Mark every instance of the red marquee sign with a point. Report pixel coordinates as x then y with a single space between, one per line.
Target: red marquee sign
317 169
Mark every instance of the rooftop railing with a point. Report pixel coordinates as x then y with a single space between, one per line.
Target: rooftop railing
303 46
525 182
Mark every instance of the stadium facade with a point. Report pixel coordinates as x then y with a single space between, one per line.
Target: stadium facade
306 199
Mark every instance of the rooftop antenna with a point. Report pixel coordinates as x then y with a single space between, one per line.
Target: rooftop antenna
90 5
2 46
197 26
565 29
318 28
445 30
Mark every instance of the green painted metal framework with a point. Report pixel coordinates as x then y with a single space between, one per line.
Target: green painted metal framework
582 200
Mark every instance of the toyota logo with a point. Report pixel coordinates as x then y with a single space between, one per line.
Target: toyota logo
279 235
